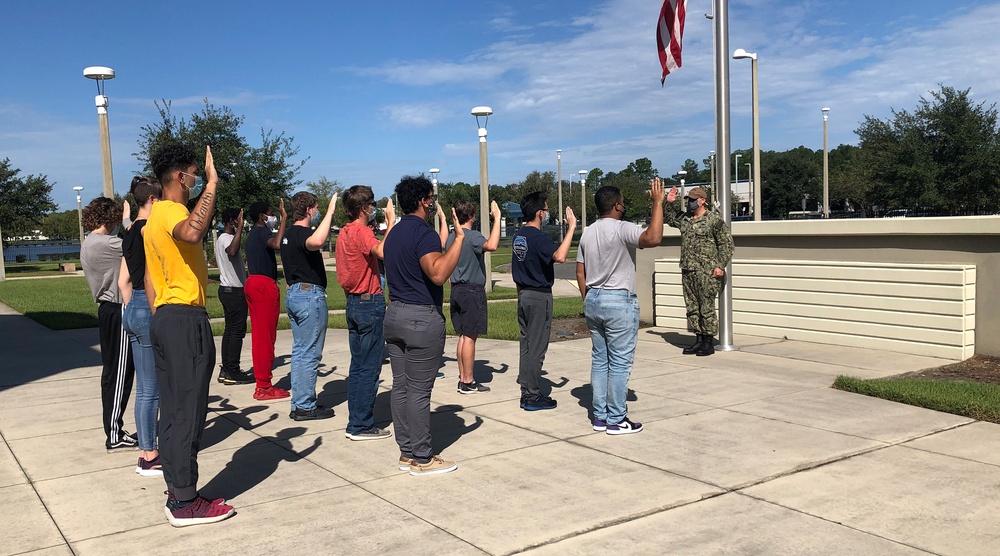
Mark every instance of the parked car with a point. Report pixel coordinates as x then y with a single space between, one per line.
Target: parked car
896 213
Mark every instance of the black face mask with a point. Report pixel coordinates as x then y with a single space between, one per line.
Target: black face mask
692 205
624 211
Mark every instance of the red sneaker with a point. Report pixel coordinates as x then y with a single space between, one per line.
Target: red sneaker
270 393
198 512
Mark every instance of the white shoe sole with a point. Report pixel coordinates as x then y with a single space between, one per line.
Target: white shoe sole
358 438
623 431
149 472
195 521
438 471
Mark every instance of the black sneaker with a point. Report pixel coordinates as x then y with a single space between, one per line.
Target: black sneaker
311 414
537 403
239 377
371 433
472 388
128 443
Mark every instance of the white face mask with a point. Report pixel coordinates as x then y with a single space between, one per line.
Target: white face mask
272 222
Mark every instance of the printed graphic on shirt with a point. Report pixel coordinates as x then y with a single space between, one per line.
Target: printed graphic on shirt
520 247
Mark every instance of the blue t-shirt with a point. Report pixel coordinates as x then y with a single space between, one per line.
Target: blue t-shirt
260 257
409 240
531 264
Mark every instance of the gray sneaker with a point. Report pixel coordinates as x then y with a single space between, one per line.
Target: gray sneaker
472 388
373 433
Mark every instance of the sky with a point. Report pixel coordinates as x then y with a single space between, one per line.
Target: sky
372 91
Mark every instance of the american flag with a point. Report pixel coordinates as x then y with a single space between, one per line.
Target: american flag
669 31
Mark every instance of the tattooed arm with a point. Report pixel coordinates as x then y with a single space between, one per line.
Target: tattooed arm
193 229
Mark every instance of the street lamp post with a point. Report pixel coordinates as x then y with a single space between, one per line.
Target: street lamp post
583 201
711 166
826 166
101 74
749 183
736 170
559 180
484 191
79 211
434 178
682 174
739 55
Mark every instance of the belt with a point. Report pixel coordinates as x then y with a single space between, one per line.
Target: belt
306 286
363 296
229 289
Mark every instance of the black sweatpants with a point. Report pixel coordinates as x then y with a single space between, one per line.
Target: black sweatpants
234 303
184 352
119 369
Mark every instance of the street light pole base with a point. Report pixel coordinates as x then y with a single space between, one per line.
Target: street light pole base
730 347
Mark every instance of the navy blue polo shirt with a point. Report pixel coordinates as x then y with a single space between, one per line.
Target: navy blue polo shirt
409 240
532 264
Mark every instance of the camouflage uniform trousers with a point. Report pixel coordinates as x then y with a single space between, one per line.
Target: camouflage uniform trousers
700 293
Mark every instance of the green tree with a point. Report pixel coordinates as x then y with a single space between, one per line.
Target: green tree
788 178
247 174
24 201
62 225
943 156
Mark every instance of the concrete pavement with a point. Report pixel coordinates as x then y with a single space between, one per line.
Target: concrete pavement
746 452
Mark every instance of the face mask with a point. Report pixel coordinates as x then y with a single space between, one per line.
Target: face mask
272 222
624 211
199 186
692 205
316 219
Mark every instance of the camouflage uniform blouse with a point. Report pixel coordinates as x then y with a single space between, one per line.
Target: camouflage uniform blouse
706 243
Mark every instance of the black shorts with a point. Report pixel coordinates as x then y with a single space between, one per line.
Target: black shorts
468 309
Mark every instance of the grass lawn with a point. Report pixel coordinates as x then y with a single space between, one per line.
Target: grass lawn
38 268
502 256
977 400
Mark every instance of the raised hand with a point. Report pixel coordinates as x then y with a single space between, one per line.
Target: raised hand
332 205
126 210
281 209
672 196
210 172
656 191
494 210
390 213
459 231
239 219
570 217
441 216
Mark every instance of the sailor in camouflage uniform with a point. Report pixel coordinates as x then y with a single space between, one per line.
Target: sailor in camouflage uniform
706 248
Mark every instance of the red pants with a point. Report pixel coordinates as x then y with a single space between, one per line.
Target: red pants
262 302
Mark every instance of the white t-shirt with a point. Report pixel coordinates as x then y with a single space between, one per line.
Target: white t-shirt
231 270
607 250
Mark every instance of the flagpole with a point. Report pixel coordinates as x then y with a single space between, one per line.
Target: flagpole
722 146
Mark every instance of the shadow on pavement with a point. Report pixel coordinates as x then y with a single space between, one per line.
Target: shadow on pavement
255 462
447 426
585 395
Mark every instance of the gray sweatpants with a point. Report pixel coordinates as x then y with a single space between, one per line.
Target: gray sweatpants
534 317
414 336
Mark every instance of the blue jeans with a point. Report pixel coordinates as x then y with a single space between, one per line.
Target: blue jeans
613 321
308 313
147 395
366 339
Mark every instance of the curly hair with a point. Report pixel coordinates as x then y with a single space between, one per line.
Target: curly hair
356 199
144 187
170 158
301 203
102 212
256 209
411 190
229 215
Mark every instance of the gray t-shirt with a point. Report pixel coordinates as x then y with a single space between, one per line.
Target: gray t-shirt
231 271
470 269
101 258
607 250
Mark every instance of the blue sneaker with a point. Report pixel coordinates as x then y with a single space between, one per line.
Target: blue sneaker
537 403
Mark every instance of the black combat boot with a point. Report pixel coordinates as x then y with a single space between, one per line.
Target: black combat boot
707 346
695 347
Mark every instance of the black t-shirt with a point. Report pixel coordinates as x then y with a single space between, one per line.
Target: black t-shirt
301 264
410 239
260 257
135 255
531 264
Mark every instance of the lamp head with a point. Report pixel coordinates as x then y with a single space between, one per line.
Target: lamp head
435 170
100 74
583 173
740 54
826 113
484 111
78 188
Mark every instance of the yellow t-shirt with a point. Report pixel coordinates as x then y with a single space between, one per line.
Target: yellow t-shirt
178 270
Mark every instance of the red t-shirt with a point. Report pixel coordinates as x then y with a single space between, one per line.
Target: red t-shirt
357 267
